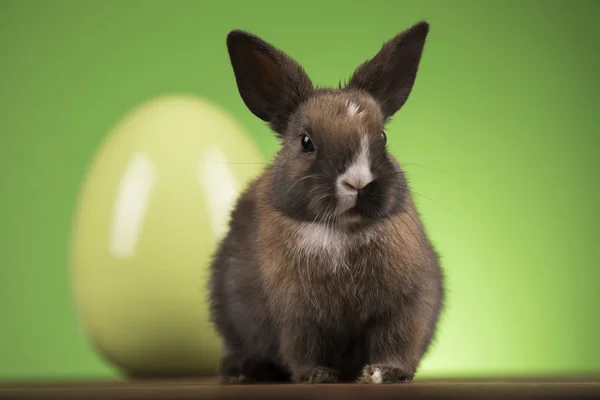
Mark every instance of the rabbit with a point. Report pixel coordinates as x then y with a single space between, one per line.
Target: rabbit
326 273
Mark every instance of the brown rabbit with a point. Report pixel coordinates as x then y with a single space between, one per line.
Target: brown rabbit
326 274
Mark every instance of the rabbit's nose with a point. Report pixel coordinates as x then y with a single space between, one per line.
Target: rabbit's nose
354 183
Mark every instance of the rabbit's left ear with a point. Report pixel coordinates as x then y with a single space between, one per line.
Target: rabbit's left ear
270 82
390 75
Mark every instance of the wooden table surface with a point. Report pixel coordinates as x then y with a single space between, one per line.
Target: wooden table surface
571 388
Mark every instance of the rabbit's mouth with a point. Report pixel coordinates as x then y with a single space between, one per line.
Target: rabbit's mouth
359 208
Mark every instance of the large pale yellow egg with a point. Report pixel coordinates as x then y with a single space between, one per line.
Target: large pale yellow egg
153 207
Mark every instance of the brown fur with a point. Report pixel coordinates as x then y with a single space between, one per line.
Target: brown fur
369 301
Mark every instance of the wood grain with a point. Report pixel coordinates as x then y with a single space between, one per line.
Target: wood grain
493 388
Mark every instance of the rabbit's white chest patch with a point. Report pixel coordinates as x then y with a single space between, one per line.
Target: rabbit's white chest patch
327 244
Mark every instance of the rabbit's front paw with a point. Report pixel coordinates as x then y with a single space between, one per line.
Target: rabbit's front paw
378 374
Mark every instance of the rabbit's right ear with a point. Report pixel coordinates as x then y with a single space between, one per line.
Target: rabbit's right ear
390 75
271 84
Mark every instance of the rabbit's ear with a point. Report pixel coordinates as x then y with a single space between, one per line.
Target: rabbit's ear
390 75
271 84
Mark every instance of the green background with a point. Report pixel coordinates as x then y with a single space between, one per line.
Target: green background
499 140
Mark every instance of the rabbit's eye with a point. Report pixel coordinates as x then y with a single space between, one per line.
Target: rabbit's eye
307 145
384 136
